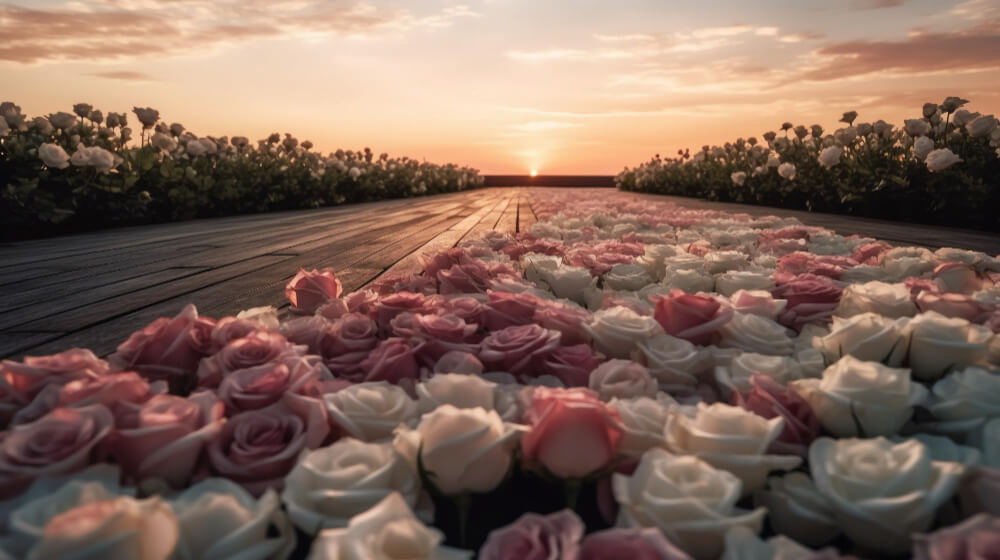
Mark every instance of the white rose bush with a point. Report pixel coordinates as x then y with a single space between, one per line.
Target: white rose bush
941 168
71 172
625 379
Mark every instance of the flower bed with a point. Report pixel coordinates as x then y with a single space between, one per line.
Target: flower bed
941 168
626 380
82 170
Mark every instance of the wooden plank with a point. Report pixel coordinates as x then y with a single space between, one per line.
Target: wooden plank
508 220
490 220
525 215
13 342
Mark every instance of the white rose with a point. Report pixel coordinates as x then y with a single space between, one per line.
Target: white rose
331 484
195 148
569 282
787 170
673 361
757 302
971 393
881 493
122 527
916 127
643 419
795 508
941 159
922 146
684 260
891 300
954 254
718 262
730 438
266 316
868 337
982 126
461 450
988 439
738 177
52 155
691 502
653 259
371 411
728 283
939 344
627 277
388 531
753 333
863 273
861 398
830 156
457 389
688 280
622 379
945 449
743 544
163 142
903 262
219 519
736 375
617 331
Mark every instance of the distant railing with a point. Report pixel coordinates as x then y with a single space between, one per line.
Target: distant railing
549 180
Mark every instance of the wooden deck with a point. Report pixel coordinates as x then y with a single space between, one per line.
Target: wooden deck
92 290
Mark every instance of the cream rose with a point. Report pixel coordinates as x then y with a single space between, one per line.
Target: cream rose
795 508
461 450
330 485
652 259
729 438
737 374
943 448
881 492
966 397
730 282
720 262
753 333
689 280
627 277
743 544
691 502
674 362
868 337
861 398
388 531
457 389
622 379
617 331
569 282
370 411
939 344
891 300
643 419
218 520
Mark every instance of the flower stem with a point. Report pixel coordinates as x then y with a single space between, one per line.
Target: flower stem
464 504
573 487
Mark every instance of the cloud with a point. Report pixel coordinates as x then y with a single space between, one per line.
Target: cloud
108 30
875 4
543 126
799 37
125 75
974 48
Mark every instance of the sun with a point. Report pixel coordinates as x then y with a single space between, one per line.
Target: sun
534 173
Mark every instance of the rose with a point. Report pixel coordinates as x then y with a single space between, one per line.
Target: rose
256 349
736 375
332 484
518 349
122 527
456 389
618 331
569 320
305 331
971 394
686 279
219 519
627 277
811 299
730 438
693 318
954 305
981 126
643 419
504 309
571 364
370 411
637 543
52 155
687 499
63 441
830 156
938 344
364 302
941 159
568 282
466 307
867 337
459 362
308 290
974 538
554 537
757 302
168 349
741 543
393 360
769 399
622 379
439 334
260 386
753 333
729 282
890 300
916 127
796 509
721 262
922 146
389 306
673 361
257 448
351 333
460 450
229 329
387 531
20 383
958 277
165 436
861 398
573 434
979 491
881 492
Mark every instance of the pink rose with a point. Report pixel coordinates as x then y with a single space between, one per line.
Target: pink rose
21 382
919 285
439 334
260 386
871 253
112 390
518 350
466 307
258 348
770 399
992 321
257 448
571 364
976 538
573 434
408 283
390 306
959 278
228 329
808 263
305 331
646 543
756 302
393 360
979 491
443 261
347 342
691 317
364 302
165 436
536 537
955 305
811 299
61 442
567 319
459 362
308 290
470 277
788 232
504 309
168 349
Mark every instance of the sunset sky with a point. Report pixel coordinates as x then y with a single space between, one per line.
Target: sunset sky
568 86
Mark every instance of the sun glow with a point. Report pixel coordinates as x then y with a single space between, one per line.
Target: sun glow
534 173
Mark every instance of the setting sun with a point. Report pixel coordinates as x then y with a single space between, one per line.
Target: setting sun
534 173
